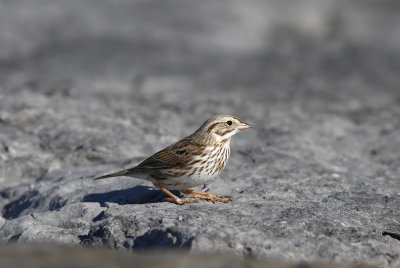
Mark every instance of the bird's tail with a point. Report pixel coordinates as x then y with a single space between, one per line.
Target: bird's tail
115 174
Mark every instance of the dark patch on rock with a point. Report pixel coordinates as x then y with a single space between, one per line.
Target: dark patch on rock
392 235
136 195
156 239
14 208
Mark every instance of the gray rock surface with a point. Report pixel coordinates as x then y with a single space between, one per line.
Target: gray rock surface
88 87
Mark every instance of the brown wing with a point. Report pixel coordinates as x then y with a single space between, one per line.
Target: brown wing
173 156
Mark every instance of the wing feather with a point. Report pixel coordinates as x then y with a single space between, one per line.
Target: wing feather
176 155
172 156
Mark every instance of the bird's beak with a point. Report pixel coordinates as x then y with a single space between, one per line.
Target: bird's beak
243 126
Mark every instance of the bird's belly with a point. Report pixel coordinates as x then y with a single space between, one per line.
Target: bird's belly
198 174
199 179
186 182
190 179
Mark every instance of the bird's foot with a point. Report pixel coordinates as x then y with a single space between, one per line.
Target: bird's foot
207 196
174 199
180 201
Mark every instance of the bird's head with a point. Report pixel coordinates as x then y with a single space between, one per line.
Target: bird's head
222 127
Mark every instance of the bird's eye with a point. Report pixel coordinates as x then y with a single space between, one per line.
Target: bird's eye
229 122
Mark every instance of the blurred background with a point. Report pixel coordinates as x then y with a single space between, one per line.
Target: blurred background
177 62
90 85
126 42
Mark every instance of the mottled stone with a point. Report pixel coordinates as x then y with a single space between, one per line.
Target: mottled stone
89 87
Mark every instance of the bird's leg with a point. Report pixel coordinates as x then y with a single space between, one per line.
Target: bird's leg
174 198
208 196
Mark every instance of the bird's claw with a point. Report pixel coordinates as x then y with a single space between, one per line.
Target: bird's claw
217 199
180 201
207 196
223 200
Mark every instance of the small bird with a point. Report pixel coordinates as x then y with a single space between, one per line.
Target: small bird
190 162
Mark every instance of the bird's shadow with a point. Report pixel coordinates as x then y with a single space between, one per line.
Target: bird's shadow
136 195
